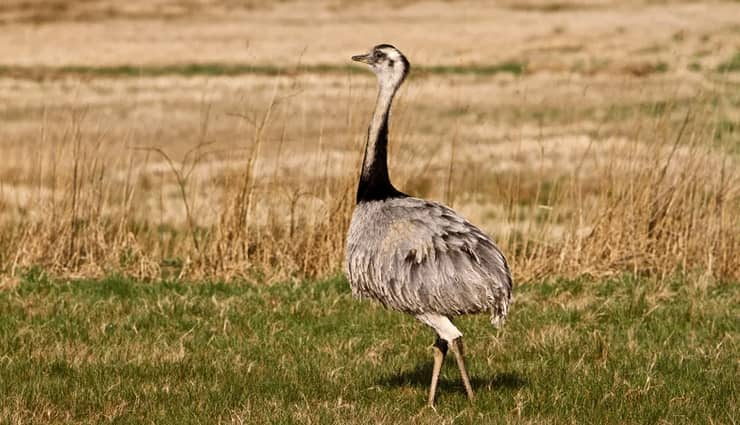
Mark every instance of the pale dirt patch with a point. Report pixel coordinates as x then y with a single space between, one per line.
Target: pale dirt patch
9 282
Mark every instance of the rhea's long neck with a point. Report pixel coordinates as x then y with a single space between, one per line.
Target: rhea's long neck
375 184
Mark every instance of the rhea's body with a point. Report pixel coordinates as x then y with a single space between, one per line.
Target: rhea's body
418 256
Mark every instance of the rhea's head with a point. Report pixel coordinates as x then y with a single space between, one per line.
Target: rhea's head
388 63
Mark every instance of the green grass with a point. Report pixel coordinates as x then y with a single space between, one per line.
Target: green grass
694 66
226 69
661 67
515 68
616 351
732 65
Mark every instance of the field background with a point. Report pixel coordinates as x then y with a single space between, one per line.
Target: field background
222 139
177 178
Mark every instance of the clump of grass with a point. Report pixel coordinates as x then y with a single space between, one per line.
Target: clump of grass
515 68
646 68
732 65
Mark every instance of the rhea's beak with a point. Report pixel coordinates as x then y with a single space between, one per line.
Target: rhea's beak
366 58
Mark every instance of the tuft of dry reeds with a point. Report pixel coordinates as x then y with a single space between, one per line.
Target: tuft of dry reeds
665 202
656 198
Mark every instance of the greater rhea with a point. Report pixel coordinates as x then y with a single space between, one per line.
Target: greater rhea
414 255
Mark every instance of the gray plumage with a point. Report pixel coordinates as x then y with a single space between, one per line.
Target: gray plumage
417 256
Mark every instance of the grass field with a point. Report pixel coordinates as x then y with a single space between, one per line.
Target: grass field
619 351
150 149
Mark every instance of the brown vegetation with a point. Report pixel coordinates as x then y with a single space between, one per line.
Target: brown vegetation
587 163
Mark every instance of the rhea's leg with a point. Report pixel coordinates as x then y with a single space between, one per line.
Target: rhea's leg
440 350
447 334
457 349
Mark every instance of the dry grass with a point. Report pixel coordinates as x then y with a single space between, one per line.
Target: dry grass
597 160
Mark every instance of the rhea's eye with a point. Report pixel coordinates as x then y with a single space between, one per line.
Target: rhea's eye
377 54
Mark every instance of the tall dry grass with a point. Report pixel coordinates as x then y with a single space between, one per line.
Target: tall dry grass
657 197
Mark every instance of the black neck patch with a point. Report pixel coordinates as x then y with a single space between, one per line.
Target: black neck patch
375 183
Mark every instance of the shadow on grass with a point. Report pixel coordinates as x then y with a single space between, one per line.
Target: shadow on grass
421 376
